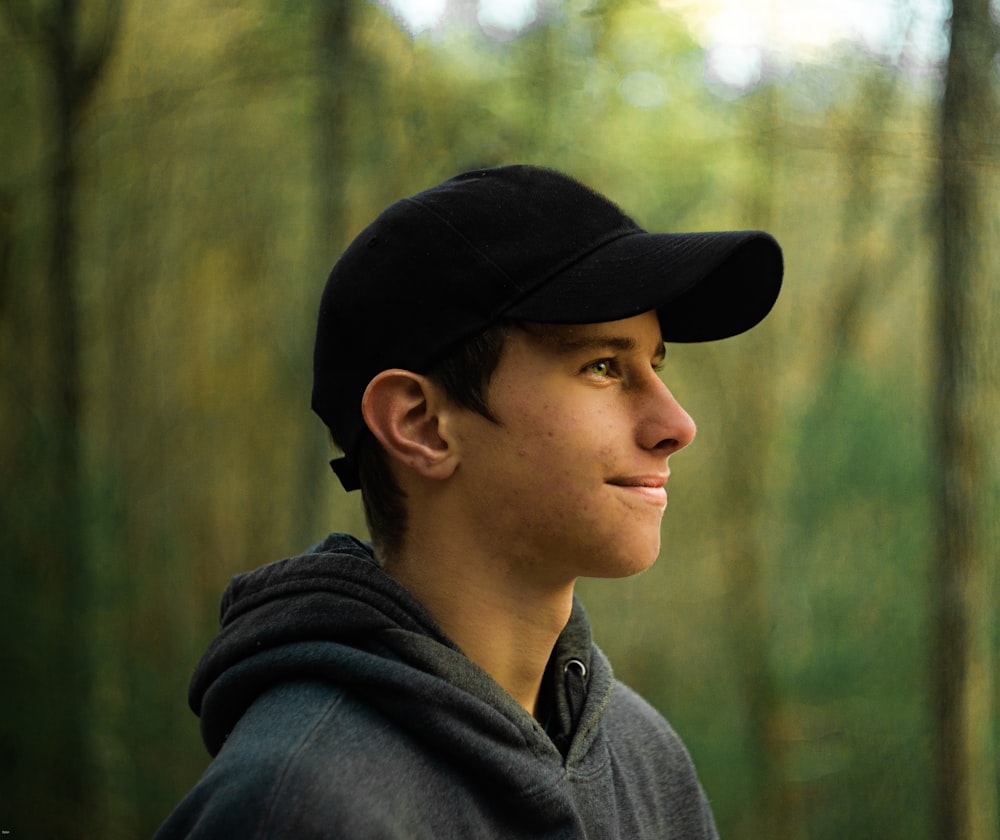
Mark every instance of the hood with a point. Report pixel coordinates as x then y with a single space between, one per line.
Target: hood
334 616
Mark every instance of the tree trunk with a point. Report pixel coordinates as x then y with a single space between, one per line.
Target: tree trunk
751 406
336 65
61 751
965 796
69 584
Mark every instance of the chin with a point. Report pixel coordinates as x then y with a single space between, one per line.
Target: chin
626 565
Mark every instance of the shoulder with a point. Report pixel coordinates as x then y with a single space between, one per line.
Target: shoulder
307 760
652 767
639 734
631 715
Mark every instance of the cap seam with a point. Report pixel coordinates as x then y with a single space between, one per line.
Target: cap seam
523 292
567 265
431 211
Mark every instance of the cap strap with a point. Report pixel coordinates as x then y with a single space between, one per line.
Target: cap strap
347 471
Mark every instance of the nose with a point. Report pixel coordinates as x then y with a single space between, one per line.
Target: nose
666 427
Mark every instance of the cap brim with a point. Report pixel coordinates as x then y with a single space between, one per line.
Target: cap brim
704 286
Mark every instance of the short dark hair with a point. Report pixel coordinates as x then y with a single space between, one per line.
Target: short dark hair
464 373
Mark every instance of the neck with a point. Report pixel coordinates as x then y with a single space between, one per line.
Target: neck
501 619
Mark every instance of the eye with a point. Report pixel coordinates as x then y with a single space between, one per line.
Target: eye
601 368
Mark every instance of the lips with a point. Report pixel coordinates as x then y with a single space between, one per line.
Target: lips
650 487
652 480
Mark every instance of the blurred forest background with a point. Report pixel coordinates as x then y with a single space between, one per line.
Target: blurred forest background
177 178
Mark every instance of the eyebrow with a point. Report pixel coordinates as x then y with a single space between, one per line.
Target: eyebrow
621 343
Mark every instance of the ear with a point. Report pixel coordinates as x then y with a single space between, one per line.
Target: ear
407 413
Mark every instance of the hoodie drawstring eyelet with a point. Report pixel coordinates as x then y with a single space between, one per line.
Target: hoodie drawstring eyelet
575 681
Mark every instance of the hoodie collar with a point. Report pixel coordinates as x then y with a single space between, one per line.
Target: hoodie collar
334 615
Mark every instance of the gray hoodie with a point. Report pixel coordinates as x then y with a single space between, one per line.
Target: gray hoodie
335 707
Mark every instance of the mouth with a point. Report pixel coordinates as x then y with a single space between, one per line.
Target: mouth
646 487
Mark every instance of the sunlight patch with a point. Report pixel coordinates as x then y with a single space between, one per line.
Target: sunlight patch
643 89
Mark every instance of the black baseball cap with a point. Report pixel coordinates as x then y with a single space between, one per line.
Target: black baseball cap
520 243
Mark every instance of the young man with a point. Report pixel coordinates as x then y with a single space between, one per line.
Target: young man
487 358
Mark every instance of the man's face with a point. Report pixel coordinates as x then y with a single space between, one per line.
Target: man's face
570 482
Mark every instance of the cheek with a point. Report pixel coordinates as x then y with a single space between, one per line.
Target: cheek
562 448
576 439
562 468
